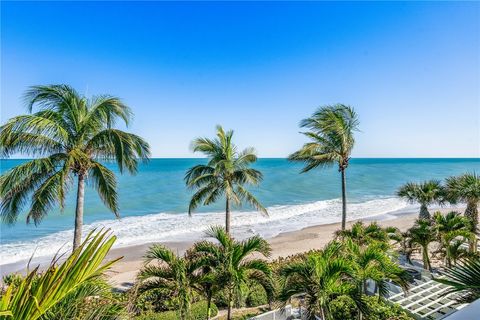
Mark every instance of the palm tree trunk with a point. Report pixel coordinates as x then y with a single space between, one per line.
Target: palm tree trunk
230 304
472 213
448 256
77 238
424 213
426 260
344 199
227 216
209 305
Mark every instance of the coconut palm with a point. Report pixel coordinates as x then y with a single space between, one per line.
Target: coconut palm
422 234
234 263
69 135
319 278
425 193
464 278
449 228
466 188
331 131
225 174
38 294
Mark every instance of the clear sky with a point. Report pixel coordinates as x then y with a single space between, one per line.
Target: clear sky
411 70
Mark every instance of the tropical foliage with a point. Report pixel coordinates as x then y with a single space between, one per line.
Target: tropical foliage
68 136
363 234
224 176
425 193
422 234
331 131
464 278
342 269
319 278
452 230
466 188
171 273
37 295
233 263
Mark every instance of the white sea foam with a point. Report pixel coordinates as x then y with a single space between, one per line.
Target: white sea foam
181 227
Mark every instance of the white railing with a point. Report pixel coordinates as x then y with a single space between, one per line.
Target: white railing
278 314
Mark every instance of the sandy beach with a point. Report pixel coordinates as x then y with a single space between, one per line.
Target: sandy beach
123 273
285 244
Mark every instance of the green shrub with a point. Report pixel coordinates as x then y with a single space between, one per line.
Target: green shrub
198 311
344 308
256 296
154 301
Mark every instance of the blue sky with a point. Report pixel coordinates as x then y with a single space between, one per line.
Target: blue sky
411 70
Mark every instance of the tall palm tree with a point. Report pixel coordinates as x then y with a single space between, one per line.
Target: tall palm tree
466 188
235 264
425 193
225 174
331 129
449 228
320 277
170 272
464 278
422 234
69 135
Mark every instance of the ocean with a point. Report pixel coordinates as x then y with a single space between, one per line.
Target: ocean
153 203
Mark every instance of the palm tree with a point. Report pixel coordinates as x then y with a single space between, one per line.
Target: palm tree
331 130
373 262
36 295
225 174
422 234
320 277
69 134
457 251
425 193
234 263
206 276
464 278
173 273
363 234
449 228
466 188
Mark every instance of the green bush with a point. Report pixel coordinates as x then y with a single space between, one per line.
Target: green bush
256 296
344 308
154 301
198 311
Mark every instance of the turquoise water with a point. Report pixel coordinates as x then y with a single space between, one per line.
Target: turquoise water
158 198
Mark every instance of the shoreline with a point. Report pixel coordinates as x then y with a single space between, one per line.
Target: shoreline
123 273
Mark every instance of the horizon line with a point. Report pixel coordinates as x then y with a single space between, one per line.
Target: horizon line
189 158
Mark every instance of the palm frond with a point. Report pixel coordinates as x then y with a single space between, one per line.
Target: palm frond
104 181
39 293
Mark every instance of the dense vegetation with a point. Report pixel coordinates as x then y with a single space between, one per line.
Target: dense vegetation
347 279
